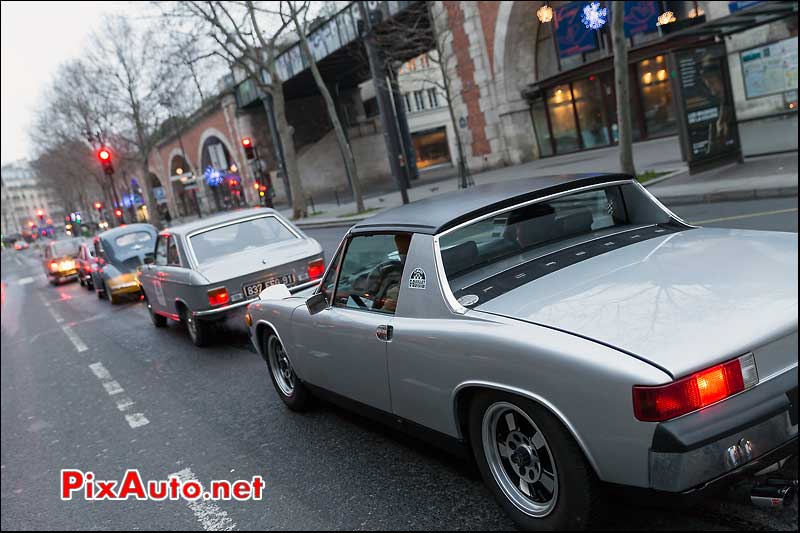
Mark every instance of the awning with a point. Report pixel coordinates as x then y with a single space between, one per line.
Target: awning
756 15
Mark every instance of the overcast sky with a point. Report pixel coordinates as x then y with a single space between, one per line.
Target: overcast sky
36 38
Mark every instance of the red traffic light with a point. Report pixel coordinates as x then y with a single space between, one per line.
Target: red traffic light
246 141
40 212
104 155
118 212
98 206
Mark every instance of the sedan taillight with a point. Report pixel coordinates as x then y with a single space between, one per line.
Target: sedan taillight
218 296
316 269
701 389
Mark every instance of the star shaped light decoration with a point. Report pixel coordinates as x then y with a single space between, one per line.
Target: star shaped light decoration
594 17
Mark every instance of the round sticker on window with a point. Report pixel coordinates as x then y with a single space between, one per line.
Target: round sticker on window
417 279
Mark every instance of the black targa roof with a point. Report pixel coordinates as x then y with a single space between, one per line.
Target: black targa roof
438 213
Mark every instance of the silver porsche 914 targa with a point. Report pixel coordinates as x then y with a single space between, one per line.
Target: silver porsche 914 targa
205 270
570 330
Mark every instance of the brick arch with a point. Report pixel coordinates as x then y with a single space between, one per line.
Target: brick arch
514 47
213 132
177 152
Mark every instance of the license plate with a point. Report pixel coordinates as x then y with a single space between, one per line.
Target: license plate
254 289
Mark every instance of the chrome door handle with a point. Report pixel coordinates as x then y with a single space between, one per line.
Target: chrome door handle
384 332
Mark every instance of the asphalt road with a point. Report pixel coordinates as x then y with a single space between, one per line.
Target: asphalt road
214 412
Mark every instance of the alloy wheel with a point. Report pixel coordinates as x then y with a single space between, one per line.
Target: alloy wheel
280 366
520 459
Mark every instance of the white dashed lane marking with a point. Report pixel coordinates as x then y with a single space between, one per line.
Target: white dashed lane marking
210 515
26 281
113 388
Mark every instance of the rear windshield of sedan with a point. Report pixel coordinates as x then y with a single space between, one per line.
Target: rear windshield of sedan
136 239
62 248
537 226
213 244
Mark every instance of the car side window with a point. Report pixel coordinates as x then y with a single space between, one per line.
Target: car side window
161 250
327 284
173 257
371 271
98 249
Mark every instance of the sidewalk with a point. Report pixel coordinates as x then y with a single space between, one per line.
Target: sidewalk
758 177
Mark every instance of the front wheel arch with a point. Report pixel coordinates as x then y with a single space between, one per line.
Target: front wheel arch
465 394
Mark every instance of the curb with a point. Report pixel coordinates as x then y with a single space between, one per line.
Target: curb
329 224
728 196
665 177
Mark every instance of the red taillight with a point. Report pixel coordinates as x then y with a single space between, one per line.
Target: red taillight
663 402
54 266
316 269
218 296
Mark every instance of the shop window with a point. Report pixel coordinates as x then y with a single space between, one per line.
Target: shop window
539 115
657 106
562 119
592 114
431 147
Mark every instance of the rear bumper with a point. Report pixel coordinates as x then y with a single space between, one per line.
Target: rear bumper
733 436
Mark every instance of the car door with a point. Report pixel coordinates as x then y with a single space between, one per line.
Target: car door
344 345
173 275
152 275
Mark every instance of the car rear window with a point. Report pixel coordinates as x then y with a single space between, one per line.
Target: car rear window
533 226
136 239
62 248
232 238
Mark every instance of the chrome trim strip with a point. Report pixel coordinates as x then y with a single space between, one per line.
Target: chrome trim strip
225 308
527 394
188 238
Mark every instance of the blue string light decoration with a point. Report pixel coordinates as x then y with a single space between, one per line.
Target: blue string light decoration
594 17
213 176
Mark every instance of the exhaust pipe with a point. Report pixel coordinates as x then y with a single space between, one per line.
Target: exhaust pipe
775 493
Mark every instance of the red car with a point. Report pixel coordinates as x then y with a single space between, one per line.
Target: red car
86 262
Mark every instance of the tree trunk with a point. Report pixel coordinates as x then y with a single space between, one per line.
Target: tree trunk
286 134
625 128
344 146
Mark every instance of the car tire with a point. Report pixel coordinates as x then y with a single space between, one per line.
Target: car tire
159 321
560 490
89 285
290 389
80 280
199 331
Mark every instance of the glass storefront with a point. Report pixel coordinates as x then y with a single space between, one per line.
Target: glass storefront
591 109
562 119
657 108
431 147
581 114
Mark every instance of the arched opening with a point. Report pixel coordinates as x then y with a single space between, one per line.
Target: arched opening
184 186
221 175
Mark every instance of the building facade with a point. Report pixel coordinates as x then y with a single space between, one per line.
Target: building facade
25 201
534 88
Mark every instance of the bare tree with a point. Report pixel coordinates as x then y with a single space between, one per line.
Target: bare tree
622 84
247 37
425 30
126 64
297 13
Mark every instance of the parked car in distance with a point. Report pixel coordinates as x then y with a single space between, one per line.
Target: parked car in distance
58 260
569 331
208 269
120 252
86 263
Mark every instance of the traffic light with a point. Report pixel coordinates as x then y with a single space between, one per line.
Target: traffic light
40 216
104 156
98 206
118 212
249 149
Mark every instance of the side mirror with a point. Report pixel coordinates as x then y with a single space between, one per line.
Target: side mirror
316 303
148 260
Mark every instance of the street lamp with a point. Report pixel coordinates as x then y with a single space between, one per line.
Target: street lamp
545 13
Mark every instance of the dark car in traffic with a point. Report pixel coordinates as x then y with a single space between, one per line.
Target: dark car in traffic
120 252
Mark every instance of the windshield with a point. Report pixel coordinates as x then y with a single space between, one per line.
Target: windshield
536 226
62 248
217 243
137 240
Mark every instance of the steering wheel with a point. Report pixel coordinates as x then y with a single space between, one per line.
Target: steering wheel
378 277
